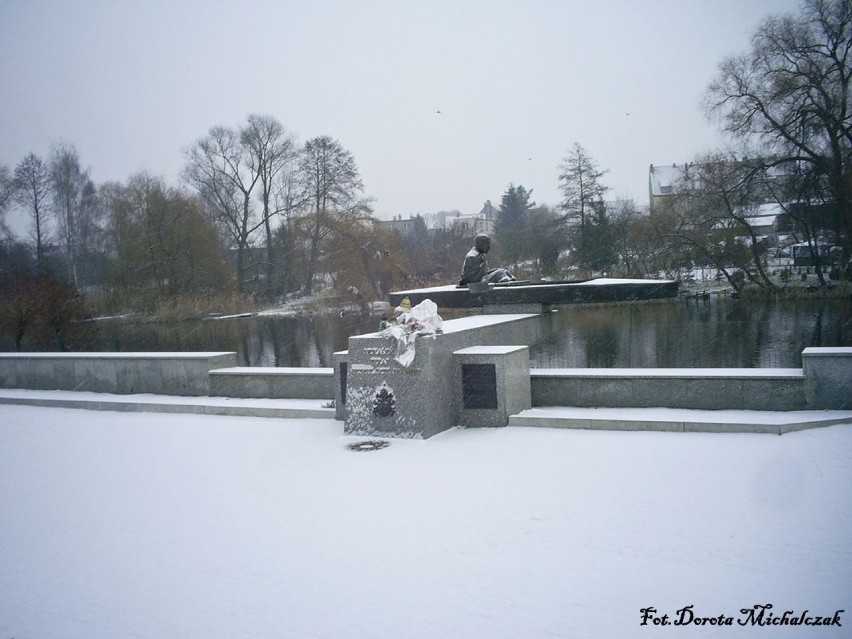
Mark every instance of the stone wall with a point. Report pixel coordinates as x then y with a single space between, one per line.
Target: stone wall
120 373
273 383
824 382
709 389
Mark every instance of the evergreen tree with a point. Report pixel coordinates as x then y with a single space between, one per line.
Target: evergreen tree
579 181
583 207
512 224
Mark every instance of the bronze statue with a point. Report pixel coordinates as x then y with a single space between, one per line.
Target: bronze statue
475 267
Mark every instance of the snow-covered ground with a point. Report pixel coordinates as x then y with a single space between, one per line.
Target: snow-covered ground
154 525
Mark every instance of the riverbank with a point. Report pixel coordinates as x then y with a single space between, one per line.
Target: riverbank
218 307
794 290
231 306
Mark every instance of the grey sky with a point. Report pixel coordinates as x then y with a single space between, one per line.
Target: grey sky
131 84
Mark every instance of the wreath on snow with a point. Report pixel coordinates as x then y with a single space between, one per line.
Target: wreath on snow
375 444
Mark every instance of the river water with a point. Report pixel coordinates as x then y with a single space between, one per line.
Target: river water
717 333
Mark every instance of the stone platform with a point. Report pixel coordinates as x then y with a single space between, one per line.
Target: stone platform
670 420
151 403
679 420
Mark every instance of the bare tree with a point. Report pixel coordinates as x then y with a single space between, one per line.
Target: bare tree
270 150
163 241
7 191
716 212
75 205
332 186
216 167
238 176
32 192
789 98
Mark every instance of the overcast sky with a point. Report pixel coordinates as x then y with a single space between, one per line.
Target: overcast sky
443 104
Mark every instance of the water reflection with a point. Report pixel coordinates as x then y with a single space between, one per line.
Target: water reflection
258 341
717 333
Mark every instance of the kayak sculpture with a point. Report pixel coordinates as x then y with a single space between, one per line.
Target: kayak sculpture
545 293
497 289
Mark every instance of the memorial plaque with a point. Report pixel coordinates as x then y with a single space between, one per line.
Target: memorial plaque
479 385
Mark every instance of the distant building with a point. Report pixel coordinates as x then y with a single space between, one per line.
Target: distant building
402 225
765 216
472 224
482 222
664 182
625 204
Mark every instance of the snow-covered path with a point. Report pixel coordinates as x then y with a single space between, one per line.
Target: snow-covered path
160 525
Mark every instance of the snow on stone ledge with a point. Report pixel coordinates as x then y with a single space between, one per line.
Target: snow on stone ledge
115 355
605 280
667 372
273 370
820 351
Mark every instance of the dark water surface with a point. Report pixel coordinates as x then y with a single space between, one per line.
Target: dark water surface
258 341
718 333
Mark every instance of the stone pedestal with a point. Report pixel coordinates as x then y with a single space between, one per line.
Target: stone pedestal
494 383
828 377
383 398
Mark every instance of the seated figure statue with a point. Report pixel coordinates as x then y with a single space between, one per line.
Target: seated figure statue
475 267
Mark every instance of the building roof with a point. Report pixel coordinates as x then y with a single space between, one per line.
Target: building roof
663 178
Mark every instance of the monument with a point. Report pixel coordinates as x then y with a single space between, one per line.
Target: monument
457 376
421 376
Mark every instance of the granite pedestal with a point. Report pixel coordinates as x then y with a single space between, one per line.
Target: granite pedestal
828 377
381 397
494 383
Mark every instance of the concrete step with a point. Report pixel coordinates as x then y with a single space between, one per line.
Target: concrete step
280 408
679 419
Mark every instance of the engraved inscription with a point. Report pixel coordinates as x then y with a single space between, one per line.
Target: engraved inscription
380 360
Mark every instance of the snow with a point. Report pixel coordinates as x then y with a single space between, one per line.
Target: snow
816 351
677 373
275 370
141 525
228 317
660 414
665 176
429 289
611 280
155 399
115 355
481 321
469 322
488 350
